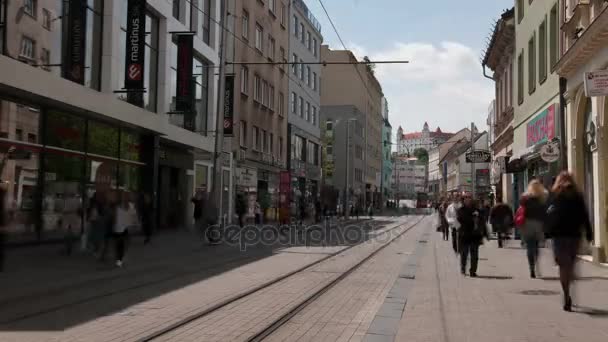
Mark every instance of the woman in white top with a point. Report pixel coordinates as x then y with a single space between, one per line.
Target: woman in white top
126 217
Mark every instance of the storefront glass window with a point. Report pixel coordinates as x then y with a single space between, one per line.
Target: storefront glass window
201 72
130 146
39 39
65 131
202 172
101 175
19 169
102 139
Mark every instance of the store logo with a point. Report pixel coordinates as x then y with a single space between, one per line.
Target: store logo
135 72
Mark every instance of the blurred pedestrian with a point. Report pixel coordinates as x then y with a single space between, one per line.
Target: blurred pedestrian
567 220
501 219
531 219
146 214
126 217
471 234
197 201
443 223
451 218
240 207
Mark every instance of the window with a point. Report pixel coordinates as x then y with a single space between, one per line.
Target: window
520 78
553 36
264 141
295 26
301 105
46 19
308 75
271 48
271 144
257 88
280 148
294 65
308 40
31 138
30 7
283 58
243 133
256 138
283 14
272 6
19 134
176 9
264 93
45 57
207 21
259 37
271 97
316 154
532 64
28 48
281 104
307 111
245 80
302 37
294 105
520 10
542 51
245 25
314 81
314 115
302 69
314 47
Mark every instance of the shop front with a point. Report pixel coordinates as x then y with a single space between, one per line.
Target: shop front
52 159
531 161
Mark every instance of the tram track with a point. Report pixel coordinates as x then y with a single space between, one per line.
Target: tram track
269 328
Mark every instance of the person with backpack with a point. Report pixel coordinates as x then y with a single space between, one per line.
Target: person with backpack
567 222
471 234
501 219
530 219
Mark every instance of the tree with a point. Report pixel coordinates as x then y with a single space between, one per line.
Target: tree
370 66
422 155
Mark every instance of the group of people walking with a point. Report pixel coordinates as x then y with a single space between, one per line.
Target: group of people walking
559 214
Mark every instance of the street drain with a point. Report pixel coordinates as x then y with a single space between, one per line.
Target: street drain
539 293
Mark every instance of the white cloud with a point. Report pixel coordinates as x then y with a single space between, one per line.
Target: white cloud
442 84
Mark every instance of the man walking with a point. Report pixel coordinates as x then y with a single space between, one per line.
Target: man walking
452 219
471 234
501 219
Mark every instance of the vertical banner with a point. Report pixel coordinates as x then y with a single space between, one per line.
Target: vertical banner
76 45
229 106
135 51
184 101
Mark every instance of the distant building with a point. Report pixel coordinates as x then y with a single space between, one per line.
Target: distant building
408 142
387 163
409 177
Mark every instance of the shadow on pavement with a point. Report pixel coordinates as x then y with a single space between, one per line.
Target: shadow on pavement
591 311
494 277
577 279
42 290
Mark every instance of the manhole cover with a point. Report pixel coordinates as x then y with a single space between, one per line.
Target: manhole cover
539 293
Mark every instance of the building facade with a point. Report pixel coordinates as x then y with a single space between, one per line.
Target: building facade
387 160
260 141
499 58
79 126
537 113
584 49
458 173
356 84
407 143
304 159
409 177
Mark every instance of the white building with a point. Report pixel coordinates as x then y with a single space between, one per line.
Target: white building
408 142
409 177
458 171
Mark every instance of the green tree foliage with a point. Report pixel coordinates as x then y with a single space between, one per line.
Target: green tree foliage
422 155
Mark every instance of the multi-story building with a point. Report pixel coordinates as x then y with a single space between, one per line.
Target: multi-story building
387 160
355 85
86 114
261 35
409 177
499 58
344 144
535 83
407 143
437 178
584 38
458 176
303 133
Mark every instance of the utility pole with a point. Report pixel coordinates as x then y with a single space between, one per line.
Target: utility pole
472 160
346 189
216 187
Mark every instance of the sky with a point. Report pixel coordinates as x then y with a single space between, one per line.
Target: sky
442 39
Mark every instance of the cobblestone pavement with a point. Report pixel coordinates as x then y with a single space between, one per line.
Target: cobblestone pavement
503 303
345 312
73 298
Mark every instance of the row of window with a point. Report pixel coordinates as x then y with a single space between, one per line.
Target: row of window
186 11
308 112
538 43
304 36
305 150
263 91
304 73
359 175
262 140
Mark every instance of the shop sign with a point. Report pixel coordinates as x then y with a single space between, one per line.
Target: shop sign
542 128
596 83
76 45
184 100
550 152
247 177
482 178
478 156
229 106
135 51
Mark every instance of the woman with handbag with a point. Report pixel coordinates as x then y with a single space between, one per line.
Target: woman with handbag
530 219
